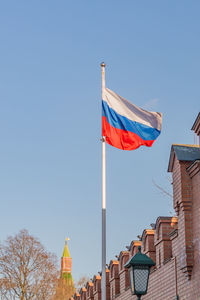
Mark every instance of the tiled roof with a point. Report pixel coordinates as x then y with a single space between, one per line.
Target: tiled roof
183 153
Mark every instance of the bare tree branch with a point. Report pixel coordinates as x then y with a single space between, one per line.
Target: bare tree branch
162 189
27 270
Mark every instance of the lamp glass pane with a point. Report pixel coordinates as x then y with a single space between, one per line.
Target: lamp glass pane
131 279
141 276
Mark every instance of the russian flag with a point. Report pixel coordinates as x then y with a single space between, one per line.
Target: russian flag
125 125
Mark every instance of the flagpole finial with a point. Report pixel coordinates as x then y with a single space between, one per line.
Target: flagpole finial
103 64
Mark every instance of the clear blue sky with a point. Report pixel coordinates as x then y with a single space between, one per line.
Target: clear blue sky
50 116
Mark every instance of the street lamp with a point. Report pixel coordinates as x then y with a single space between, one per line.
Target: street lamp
139 268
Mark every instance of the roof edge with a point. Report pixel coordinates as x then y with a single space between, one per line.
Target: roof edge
171 160
178 149
195 125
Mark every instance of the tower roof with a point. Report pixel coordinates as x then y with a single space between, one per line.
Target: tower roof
66 250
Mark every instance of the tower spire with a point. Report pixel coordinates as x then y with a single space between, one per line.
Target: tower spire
66 265
66 250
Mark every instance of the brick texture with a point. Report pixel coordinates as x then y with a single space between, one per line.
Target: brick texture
173 243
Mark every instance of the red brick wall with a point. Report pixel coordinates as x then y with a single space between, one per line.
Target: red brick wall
180 273
148 246
123 272
89 291
114 279
183 205
174 245
97 287
196 232
107 285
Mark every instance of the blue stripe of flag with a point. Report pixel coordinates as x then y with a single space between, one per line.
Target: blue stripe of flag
116 120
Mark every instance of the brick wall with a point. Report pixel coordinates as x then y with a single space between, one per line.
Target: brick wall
123 272
173 242
114 279
97 287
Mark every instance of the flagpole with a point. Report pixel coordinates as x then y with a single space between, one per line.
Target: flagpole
103 277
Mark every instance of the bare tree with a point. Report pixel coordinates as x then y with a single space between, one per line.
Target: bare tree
5 291
82 281
163 190
27 270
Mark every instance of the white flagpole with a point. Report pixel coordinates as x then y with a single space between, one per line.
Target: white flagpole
103 277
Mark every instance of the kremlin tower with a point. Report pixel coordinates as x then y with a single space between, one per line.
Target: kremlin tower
66 266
